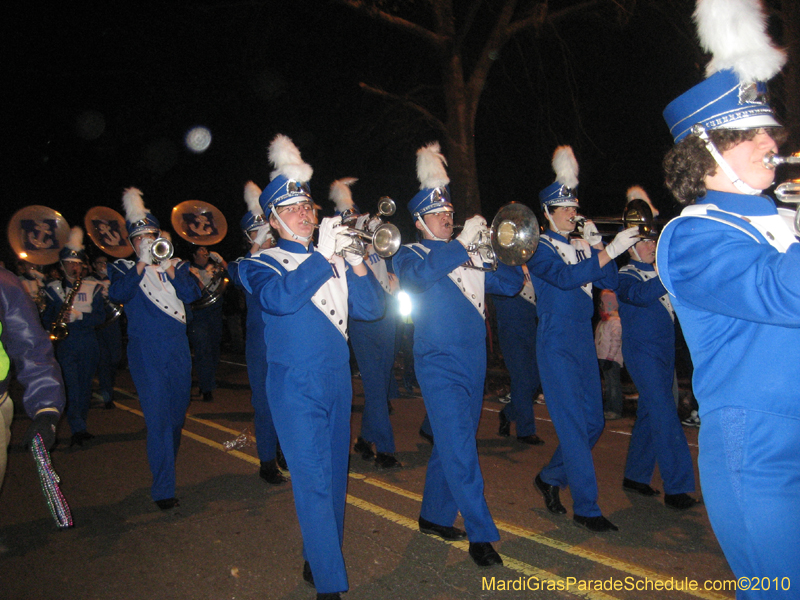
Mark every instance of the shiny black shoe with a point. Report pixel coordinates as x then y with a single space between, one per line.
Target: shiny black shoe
532 439
484 555
680 501
270 472
109 405
168 503
364 448
505 425
426 436
640 488
451 534
78 438
280 458
308 576
208 396
597 524
384 460
550 494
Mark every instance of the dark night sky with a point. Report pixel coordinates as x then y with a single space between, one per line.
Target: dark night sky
248 70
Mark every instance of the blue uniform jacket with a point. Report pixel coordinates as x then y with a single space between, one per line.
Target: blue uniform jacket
739 303
645 321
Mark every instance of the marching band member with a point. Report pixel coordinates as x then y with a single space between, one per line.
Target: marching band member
563 272
257 231
205 324
373 344
450 355
32 279
648 343
153 296
306 294
516 331
732 268
77 353
109 336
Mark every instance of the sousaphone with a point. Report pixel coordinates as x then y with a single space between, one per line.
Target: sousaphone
202 224
106 228
37 234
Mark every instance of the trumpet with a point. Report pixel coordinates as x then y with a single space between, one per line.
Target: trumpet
772 160
161 250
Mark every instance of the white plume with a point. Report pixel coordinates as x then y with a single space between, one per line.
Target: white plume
341 195
566 167
286 159
251 195
431 165
636 192
75 241
734 32
133 205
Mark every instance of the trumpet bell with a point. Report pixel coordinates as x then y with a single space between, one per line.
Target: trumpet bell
106 228
638 213
386 240
199 222
161 250
514 234
37 234
386 207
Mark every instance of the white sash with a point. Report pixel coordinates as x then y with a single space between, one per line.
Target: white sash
378 266
82 302
469 281
773 227
527 292
647 275
158 288
331 297
573 253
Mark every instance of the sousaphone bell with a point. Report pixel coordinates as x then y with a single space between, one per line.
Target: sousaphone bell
37 234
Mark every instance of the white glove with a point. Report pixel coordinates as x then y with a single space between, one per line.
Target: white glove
164 265
343 239
262 234
353 259
623 241
215 257
361 221
373 224
327 236
472 230
590 233
144 251
74 315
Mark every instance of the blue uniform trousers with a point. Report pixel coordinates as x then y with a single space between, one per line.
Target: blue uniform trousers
205 337
110 340
452 381
78 355
163 382
311 410
571 382
750 473
657 434
373 345
516 330
266 436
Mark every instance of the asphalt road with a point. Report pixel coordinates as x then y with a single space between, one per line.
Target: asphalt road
236 538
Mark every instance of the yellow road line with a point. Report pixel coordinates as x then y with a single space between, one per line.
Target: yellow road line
524 568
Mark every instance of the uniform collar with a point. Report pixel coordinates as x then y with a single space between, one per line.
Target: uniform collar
294 247
642 266
740 204
557 236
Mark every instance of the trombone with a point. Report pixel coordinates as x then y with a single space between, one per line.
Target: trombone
637 213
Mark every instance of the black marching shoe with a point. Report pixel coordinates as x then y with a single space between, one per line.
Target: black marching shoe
641 488
532 439
364 448
270 472
451 534
80 437
308 576
484 555
109 405
597 524
280 458
680 501
550 494
426 436
208 396
505 425
168 503
384 460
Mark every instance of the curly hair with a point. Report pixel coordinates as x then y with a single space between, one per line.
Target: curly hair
688 163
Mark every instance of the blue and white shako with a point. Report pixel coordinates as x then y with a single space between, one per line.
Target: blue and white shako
148 224
283 190
67 254
252 221
722 101
558 194
430 200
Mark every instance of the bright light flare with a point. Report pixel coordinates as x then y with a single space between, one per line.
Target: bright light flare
198 139
404 303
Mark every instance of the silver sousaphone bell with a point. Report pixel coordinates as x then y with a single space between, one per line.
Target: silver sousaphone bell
512 239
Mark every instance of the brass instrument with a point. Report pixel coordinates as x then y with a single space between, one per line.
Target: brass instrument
106 228
59 329
637 213
37 234
772 160
385 240
161 250
512 239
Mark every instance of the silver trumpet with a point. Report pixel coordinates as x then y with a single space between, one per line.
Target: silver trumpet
773 160
161 250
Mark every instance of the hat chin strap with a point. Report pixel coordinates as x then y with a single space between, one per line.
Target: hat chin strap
553 224
723 164
287 228
429 232
636 253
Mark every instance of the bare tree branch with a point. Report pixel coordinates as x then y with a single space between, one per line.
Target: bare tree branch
407 102
437 41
